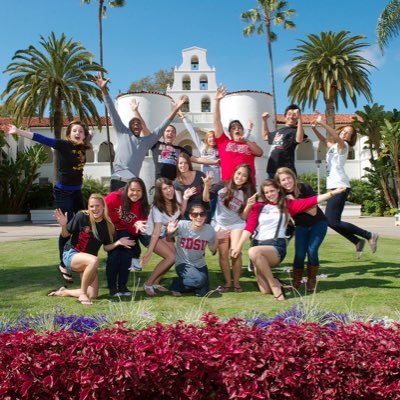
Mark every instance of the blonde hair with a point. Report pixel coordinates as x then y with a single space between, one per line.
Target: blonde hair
106 217
207 135
288 171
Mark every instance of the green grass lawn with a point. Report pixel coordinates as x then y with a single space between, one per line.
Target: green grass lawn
368 286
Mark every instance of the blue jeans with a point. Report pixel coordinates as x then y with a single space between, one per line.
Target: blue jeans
308 239
119 262
191 279
333 212
70 202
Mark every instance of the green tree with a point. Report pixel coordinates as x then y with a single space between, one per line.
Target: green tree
370 124
158 82
102 12
260 20
329 64
388 24
58 78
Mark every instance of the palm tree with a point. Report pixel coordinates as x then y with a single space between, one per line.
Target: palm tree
260 18
388 23
59 79
102 12
330 64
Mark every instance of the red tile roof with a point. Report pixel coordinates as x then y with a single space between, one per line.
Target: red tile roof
44 122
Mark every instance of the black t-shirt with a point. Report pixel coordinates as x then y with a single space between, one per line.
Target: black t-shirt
71 161
165 157
284 144
305 219
82 238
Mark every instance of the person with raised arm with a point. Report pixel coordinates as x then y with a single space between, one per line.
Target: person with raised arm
284 140
234 151
71 159
132 147
266 225
86 232
338 145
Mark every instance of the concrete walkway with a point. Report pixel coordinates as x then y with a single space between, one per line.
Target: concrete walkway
384 226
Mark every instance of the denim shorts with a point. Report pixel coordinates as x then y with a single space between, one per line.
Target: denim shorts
278 244
67 258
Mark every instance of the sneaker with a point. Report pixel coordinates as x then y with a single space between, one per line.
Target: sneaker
114 293
135 265
149 290
373 242
160 288
360 247
124 291
250 267
176 294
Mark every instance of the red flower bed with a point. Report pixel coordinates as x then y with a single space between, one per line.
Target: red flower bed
220 360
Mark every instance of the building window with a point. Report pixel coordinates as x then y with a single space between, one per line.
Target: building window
194 63
104 155
352 154
203 83
205 104
186 106
186 83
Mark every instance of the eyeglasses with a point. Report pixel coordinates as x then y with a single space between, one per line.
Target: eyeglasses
198 214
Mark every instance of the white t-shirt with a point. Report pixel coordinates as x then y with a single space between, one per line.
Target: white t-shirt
228 218
335 173
268 223
156 216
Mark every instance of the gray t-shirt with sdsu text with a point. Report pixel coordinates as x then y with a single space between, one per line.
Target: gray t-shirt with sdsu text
191 245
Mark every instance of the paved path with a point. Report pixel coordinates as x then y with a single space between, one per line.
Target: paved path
26 230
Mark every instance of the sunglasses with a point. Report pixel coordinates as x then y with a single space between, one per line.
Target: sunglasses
198 214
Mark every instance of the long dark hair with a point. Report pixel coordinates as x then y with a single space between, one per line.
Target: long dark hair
248 188
179 176
159 200
126 203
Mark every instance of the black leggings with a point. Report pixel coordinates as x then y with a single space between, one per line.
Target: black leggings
333 212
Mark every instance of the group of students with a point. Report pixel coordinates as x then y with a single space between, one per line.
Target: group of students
177 225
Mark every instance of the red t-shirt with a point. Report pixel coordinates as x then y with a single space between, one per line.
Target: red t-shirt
232 154
124 220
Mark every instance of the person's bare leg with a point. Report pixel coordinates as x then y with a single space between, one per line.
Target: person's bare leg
167 251
223 250
264 258
236 262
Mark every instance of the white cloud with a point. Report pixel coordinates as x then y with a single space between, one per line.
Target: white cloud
283 70
374 55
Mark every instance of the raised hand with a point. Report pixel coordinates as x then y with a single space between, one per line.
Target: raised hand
61 218
189 192
10 129
101 82
172 226
208 179
221 93
134 105
265 115
140 226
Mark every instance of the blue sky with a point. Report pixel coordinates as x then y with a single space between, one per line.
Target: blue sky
147 35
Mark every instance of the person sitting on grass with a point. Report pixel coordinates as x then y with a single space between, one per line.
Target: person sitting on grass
192 239
87 231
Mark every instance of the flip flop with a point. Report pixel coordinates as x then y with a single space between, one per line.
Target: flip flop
237 289
65 274
84 300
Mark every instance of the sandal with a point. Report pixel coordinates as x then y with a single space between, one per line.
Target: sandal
160 288
281 296
149 289
223 289
237 289
65 274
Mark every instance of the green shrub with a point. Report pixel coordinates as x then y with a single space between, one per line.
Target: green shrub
40 196
312 179
91 185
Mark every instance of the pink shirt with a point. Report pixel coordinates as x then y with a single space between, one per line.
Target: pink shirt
232 154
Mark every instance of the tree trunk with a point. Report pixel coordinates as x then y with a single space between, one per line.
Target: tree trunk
271 68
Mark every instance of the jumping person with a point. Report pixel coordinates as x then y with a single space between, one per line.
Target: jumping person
132 148
284 140
233 151
338 145
87 231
